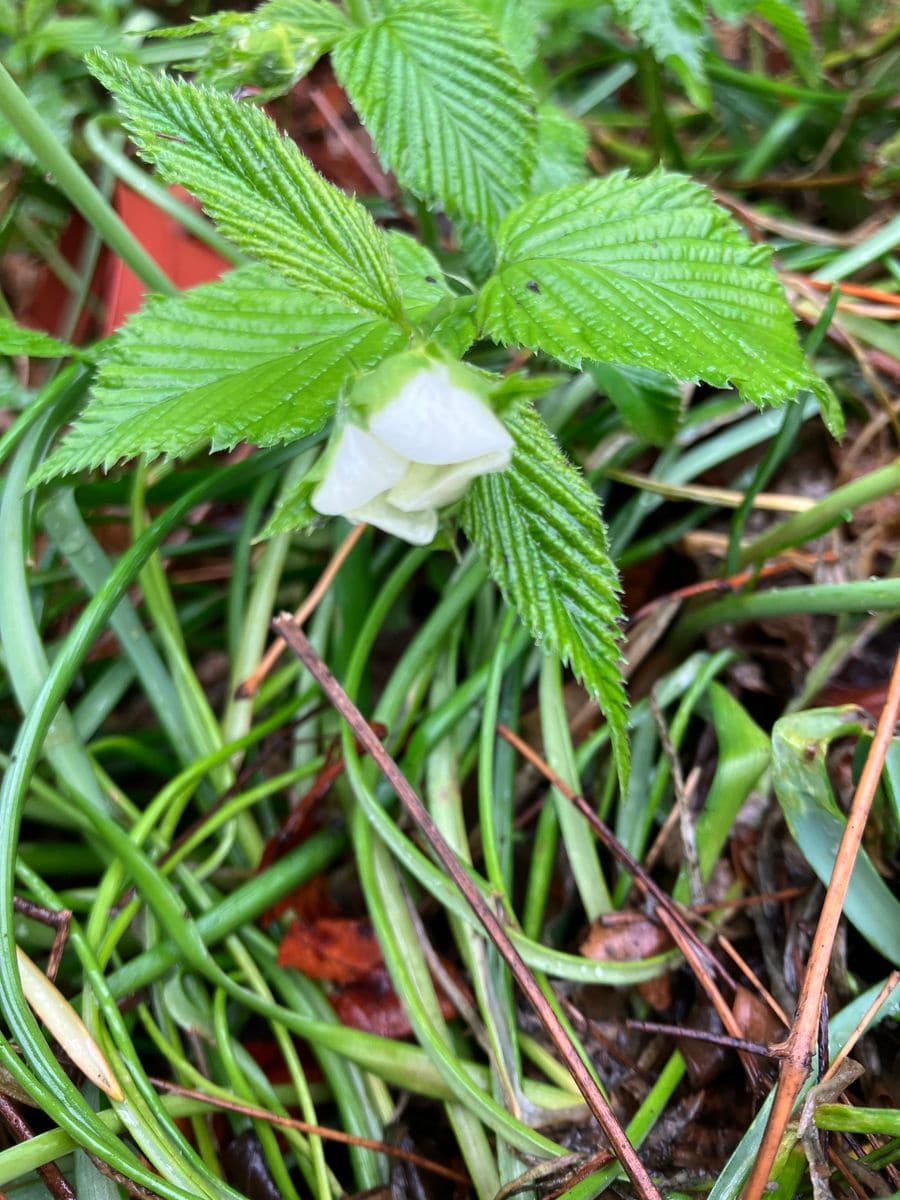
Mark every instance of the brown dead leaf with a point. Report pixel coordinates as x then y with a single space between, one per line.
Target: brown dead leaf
624 937
757 1021
342 949
373 1006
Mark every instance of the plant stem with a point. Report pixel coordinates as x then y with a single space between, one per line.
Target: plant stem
148 187
839 506
829 599
75 185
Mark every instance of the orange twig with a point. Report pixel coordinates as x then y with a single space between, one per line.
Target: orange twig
846 289
718 586
798 1048
251 685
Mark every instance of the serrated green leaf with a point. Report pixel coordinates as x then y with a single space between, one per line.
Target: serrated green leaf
293 510
645 272
648 403
673 31
440 313
538 526
248 358
262 192
446 108
33 343
271 47
422 282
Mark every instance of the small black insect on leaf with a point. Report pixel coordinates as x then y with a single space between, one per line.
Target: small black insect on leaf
533 286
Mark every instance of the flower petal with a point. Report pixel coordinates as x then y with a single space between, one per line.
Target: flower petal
432 420
418 528
425 487
358 468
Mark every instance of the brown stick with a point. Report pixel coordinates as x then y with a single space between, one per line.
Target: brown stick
702 1035
798 1048
251 685
56 1183
668 913
319 1131
676 917
606 1118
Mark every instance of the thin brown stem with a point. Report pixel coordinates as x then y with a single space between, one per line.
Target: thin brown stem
251 685
496 931
798 1048
57 920
605 835
890 984
668 913
53 1178
702 1035
320 1131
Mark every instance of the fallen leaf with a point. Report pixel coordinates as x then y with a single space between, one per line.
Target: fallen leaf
374 1007
342 949
624 938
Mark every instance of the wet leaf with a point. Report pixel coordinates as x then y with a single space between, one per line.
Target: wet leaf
624 940
799 747
342 949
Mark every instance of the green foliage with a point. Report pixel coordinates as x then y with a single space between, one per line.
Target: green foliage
258 187
673 30
561 149
447 109
516 24
645 272
293 510
33 343
48 98
271 47
786 18
244 359
800 744
649 403
249 358
539 529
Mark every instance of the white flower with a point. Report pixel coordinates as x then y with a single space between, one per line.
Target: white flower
396 461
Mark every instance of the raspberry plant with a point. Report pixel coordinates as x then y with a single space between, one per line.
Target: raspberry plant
637 276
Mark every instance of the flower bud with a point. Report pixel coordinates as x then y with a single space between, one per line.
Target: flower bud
415 432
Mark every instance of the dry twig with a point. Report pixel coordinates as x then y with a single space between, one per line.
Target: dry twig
797 1050
251 685
596 1101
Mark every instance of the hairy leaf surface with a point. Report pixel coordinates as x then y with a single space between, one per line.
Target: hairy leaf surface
447 109
645 272
538 526
262 192
248 358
